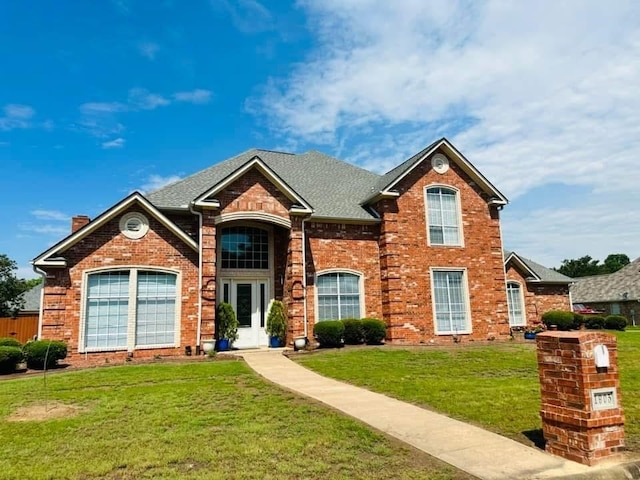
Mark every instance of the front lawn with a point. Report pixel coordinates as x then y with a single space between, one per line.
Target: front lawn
495 386
188 420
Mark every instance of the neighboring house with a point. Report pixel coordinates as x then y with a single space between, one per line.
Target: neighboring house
25 325
616 293
533 289
419 247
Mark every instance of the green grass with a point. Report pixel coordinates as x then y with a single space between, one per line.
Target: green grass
191 420
494 386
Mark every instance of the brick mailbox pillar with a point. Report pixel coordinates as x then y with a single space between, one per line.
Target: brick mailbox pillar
582 419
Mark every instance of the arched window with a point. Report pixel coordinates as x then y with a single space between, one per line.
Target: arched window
338 296
443 216
244 248
515 304
110 322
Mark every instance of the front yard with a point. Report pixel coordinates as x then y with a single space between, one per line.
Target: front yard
494 386
204 420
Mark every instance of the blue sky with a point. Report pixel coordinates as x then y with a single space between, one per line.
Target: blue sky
101 98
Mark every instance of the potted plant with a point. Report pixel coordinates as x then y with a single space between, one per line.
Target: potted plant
227 326
276 324
531 331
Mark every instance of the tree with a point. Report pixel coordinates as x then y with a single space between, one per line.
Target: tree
615 262
11 288
580 267
33 282
584 266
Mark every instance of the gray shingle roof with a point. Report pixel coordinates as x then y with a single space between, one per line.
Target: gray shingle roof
32 299
610 287
545 274
332 187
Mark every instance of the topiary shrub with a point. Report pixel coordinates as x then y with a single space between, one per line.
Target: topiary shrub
10 357
226 322
595 322
10 342
563 320
374 331
353 333
277 321
329 333
36 352
615 322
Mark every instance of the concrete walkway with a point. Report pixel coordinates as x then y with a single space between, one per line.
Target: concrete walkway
481 453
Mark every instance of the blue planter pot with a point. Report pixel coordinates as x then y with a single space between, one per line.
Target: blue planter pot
275 342
529 335
223 345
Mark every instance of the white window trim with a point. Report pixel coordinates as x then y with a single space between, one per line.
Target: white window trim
458 207
144 225
524 310
360 276
465 292
131 309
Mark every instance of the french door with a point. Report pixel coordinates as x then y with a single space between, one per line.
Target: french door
250 298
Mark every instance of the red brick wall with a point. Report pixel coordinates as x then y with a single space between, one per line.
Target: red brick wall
538 298
407 257
349 247
107 247
253 192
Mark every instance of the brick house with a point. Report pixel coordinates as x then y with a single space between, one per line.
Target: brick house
419 247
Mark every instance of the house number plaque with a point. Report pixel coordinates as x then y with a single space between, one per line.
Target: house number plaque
603 398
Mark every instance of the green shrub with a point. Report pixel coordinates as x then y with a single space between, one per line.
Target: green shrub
277 321
578 321
374 331
563 320
10 342
329 333
36 352
595 322
615 322
10 357
353 332
227 322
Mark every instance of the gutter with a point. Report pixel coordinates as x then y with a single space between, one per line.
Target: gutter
41 309
304 279
199 327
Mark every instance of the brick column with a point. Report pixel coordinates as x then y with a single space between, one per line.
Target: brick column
208 273
392 300
582 418
293 297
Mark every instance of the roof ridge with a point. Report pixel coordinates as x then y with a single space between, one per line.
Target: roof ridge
271 151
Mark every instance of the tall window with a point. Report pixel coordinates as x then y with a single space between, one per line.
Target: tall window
245 248
515 304
443 216
450 302
111 324
338 296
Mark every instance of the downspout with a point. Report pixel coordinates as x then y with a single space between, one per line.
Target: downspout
304 279
199 327
570 297
41 309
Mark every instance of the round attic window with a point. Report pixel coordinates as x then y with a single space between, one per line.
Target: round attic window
440 163
134 225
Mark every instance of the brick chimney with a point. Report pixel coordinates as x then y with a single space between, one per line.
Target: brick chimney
78 222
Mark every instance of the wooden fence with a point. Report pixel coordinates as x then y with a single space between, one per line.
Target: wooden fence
22 328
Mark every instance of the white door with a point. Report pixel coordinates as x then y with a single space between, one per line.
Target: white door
250 300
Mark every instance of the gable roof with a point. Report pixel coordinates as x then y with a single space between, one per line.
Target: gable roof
331 187
51 258
610 287
537 273
386 184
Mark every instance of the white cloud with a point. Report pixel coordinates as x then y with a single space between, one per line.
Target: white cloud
50 215
148 50
111 144
154 182
99 108
16 116
531 93
142 99
197 96
248 16
44 229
